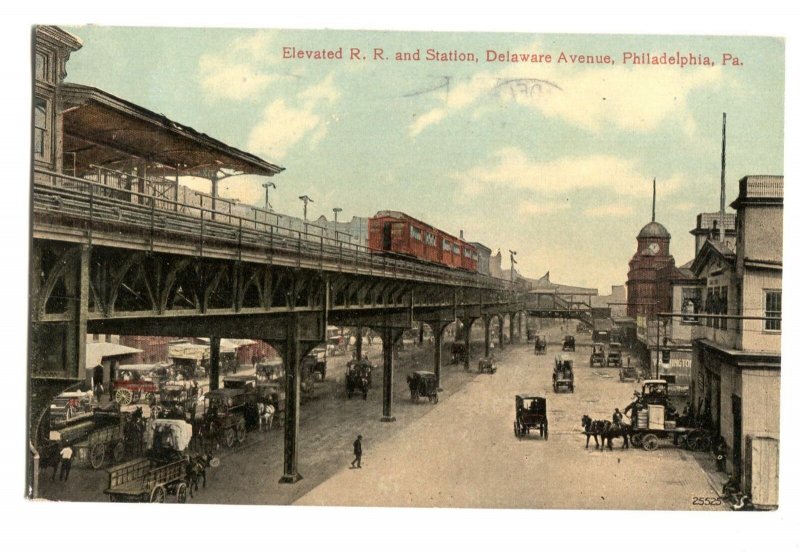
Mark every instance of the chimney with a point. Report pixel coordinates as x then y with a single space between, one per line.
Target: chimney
461 235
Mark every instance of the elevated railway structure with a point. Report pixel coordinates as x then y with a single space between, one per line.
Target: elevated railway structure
119 247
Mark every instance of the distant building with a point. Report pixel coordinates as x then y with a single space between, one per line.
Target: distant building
484 257
708 225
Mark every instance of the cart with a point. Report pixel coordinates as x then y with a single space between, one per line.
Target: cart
540 346
358 377
162 472
423 384
629 373
598 356
563 375
96 440
531 413
614 357
569 343
486 365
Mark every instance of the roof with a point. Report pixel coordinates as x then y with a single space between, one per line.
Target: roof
653 230
763 189
107 129
96 352
712 249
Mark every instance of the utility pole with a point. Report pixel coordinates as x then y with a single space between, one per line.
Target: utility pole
513 262
305 199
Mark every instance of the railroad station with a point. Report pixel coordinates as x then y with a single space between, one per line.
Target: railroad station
190 348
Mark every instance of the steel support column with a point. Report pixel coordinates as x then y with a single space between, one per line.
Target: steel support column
213 374
359 342
467 333
511 328
500 338
487 335
389 337
291 426
438 332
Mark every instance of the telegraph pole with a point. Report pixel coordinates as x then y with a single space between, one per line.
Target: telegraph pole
267 186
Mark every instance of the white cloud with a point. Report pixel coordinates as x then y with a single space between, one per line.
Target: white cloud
222 79
511 168
636 98
282 125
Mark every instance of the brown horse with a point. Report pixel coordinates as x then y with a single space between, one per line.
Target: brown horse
606 430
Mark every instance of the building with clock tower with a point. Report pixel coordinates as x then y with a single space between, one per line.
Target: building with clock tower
645 296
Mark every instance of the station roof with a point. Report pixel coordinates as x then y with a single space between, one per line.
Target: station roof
103 129
96 352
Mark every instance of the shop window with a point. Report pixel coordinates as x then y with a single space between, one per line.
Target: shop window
772 309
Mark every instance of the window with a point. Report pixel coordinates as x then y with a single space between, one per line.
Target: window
772 309
690 305
40 127
416 234
446 245
430 239
723 307
42 66
456 250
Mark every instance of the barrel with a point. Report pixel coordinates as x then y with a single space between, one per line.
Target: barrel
642 419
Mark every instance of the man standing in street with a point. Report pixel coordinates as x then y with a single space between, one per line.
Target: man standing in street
66 462
356 463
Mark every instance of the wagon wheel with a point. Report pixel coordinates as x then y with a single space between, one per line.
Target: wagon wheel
230 437
148 397
516 429
158 494
541 430
435 398
241 432
636 439
180 493
546 430
123 396
119 451
650 442
97 455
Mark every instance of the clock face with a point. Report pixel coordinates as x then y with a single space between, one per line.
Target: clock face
653 248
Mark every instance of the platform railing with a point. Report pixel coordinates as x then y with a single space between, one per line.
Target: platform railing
96 206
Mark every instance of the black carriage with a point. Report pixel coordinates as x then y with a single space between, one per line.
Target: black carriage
563 375
225 414
458 352
531 415
531 334
423 384
569 343
540 345
598 356
487 365
614 357
358 377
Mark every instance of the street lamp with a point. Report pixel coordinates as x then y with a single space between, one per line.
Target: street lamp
305 199
267 186
513 262
336 211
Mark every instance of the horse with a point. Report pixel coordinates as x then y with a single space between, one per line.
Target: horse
266 412
197 469
50 457
606 430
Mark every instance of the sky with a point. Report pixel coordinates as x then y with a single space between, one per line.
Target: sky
552 160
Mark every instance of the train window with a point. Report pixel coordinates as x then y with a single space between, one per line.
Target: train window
416 234
430 239
446 245
456 250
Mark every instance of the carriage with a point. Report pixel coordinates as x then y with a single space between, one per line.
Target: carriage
225 414
531 334
598 355
486 365
569 343
563 375
315 363
458 352
178 400
95 440
614 357
531 413
423 384
358 377
70 406
270 370
540 345
162 472
629 372
138 382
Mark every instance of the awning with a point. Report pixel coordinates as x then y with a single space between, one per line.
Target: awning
104 130
96 352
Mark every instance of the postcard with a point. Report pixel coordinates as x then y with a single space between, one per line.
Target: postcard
405 269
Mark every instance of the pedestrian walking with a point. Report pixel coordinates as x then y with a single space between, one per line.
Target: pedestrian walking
66 461
356 463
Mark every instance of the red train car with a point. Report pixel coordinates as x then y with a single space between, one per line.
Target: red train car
398 233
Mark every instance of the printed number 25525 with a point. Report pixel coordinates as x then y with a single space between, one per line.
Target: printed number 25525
706 501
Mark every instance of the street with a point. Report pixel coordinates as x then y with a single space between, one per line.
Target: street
460 452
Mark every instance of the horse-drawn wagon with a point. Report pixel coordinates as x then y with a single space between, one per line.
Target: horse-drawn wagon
224 417
458 352
95 440
563 374
71 406
531 414
137 382
423 384
569 343
598 355
358 377
162 472
487 365
614 357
